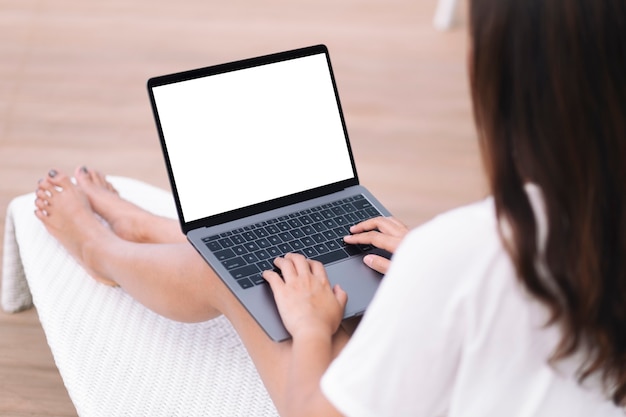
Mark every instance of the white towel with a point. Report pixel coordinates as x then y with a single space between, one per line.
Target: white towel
116 357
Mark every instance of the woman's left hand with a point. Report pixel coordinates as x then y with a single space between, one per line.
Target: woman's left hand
306 302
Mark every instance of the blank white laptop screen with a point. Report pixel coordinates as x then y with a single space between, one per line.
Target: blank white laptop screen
249 136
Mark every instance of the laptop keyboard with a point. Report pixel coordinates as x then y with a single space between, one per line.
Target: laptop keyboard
316 233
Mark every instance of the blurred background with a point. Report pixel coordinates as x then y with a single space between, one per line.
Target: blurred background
73 92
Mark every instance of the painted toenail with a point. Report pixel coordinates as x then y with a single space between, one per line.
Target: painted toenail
52 173
39 181
84 169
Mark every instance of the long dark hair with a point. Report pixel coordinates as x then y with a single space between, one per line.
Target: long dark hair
548 81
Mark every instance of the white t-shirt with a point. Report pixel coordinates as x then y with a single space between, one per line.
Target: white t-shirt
452 332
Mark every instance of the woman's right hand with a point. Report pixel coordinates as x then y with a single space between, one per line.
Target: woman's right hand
382 232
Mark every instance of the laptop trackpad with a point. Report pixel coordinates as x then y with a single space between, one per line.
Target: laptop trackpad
358 280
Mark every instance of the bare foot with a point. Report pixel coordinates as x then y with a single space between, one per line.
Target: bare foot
127 220
67 215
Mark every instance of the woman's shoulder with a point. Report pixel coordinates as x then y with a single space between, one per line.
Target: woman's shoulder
462 230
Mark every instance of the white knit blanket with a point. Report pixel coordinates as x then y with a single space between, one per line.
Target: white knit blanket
116 357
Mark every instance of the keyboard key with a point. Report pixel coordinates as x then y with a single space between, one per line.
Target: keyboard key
296 245
251 246
272 230
351 218
239 250
250 258
249 236
361 204
309 252
245 271
233 263
237 239
265 265
329 235
262 254
245 283
317 217
213 245
263 243
319 238
294 223
330 223
285 247
329 257
372 211
258 279
352 250
333 245
321 248
226 242
284 226
210 238
306 241
224 254
348 208
308 230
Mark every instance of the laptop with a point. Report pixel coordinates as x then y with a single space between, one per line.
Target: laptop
260 164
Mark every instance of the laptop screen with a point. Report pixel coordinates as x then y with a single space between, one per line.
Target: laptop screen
247 136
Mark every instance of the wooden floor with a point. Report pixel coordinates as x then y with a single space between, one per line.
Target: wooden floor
72 91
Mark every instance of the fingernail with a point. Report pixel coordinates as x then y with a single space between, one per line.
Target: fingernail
52 173
84 169
367 260
39 180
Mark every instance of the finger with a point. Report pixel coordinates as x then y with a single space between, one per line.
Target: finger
318 270
380 240
364 226
391 226
300 263
341 296
377 263
317 267
272 278
286 266
387 225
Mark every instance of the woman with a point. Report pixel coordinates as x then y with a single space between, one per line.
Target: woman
511 306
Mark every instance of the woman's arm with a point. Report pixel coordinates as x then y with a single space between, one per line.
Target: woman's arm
311 311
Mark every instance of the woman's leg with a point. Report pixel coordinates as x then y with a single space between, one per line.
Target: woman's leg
170 278
127 220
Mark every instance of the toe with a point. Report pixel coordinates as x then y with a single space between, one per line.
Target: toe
59 179
42 199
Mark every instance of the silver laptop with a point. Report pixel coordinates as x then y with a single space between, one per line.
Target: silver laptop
260 165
